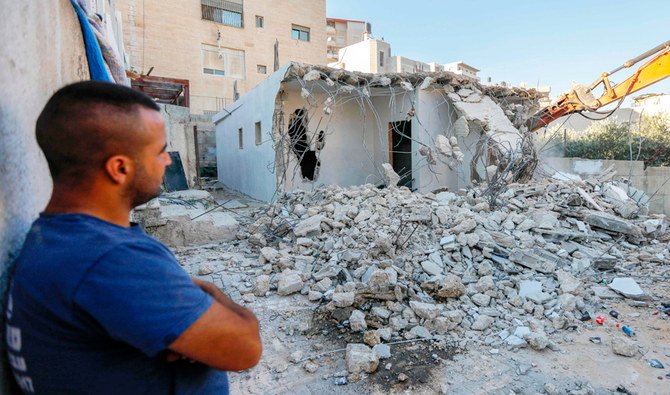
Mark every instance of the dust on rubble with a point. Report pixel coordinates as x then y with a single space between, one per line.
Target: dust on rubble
471 293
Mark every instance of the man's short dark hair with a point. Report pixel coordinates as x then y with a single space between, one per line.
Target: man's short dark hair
85 123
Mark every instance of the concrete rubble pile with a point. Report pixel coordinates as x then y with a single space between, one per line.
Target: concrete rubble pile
393 265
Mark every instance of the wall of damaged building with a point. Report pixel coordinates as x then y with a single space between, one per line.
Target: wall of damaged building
435 115
249 168
353 149
41 42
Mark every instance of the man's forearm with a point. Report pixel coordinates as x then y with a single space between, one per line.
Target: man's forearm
222 298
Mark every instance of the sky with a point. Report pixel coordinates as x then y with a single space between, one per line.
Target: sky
539 42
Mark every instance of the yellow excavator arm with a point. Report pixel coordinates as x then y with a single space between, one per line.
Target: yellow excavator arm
581 98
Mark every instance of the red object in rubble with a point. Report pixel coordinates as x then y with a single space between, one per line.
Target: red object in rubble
600 320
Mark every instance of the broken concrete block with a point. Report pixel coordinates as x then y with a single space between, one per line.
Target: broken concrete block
605 293
371 338
515 342
313 296
465 226
482 323
431 268
537 341
206 268
567 282
343 299
426 83
323 285
289 282
529 287
262 286
534 259
451 287
269 254
628 288
309 227
360 359
383 351
391 178
443 146
425 310
357 321
624 347
611 223
379 280
481 300
420 332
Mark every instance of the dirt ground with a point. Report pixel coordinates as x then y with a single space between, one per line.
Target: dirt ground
296 337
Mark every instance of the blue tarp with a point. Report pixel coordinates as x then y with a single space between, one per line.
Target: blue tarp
96 64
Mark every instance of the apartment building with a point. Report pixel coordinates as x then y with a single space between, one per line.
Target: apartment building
368 56
462 69
342 33
220 46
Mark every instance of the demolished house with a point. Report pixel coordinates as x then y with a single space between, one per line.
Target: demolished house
307 125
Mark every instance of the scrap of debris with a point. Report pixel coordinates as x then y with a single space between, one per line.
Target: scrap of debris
510 271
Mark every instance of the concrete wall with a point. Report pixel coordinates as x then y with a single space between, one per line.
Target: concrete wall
179 123
434 116
250 169
168 35
364 56
41 50
653 180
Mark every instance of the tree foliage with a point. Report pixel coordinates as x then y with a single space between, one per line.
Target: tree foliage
648 141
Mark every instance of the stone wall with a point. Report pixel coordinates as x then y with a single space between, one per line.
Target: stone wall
652 180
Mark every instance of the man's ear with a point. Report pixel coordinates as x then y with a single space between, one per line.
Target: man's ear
119 169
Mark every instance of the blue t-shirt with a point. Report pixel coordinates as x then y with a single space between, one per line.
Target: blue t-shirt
93 307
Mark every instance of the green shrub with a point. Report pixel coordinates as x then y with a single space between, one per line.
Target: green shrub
648 141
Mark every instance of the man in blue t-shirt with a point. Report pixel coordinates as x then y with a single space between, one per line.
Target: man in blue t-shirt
96 306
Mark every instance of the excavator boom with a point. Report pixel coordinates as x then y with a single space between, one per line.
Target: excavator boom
580 98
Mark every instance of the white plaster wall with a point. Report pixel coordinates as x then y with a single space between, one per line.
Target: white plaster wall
249 170
351 144
434 116
357 57
41 50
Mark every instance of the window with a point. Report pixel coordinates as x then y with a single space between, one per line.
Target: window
240 137
300 33
381 58
260 22
262 69
356 38
340 40
227 12
222 61
259 134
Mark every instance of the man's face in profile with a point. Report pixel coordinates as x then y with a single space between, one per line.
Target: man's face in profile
151 160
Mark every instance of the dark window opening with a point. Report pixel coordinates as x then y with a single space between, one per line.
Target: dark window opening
260 22
400 151
297 132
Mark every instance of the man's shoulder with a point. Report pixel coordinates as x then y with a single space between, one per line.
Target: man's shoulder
71 243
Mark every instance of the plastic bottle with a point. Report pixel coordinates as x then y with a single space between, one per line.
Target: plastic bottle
627 330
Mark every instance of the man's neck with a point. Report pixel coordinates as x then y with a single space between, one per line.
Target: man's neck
105 206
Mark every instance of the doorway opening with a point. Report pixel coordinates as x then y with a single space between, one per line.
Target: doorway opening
400 151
